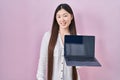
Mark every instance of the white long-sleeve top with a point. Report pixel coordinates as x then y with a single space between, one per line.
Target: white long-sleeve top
60 70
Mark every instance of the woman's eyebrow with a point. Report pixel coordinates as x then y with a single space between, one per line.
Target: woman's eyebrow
62 14
65 13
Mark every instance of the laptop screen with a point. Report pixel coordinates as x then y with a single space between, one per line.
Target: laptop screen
79 45
75 49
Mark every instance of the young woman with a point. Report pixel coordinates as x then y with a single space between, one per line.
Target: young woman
52 65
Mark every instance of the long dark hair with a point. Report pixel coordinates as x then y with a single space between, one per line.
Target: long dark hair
53 39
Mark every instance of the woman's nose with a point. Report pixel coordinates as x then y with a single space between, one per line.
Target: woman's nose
62 19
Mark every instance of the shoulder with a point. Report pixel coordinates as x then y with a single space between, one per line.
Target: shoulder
46 36
78 33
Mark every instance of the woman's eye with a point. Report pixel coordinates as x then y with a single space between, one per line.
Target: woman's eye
58 16
65 15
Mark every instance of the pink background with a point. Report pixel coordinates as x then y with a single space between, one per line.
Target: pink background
23 23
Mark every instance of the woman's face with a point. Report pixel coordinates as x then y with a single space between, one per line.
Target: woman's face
63 19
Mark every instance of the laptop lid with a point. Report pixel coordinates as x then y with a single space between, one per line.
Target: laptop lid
79 48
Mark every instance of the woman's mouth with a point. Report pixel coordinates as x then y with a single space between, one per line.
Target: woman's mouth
63 23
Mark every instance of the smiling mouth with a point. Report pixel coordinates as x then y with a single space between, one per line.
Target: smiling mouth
63 23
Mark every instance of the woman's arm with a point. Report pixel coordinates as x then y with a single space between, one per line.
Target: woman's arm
42 65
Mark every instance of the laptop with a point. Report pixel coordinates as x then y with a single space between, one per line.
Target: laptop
79 50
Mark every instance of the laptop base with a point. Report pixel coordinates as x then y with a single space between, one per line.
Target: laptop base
94 63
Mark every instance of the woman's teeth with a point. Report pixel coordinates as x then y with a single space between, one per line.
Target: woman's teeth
63 23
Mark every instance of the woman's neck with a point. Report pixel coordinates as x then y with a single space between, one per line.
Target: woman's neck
64 32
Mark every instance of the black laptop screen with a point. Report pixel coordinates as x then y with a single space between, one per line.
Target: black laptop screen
81 46
75 49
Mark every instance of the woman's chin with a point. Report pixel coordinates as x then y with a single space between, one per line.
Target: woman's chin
63 27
